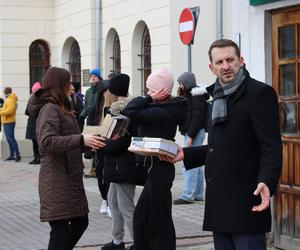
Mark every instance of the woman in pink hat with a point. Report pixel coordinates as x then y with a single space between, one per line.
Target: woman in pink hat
157 115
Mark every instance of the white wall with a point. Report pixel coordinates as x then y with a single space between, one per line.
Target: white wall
21 23
123 16
53 21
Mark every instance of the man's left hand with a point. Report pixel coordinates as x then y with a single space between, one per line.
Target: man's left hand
264 192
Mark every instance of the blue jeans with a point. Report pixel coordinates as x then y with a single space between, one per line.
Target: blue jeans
9 130
193 188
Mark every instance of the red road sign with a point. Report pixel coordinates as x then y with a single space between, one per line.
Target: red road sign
186 26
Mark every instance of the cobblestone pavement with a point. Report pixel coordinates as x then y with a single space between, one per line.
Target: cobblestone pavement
20 227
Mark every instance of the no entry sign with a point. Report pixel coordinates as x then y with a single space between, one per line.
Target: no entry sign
186 26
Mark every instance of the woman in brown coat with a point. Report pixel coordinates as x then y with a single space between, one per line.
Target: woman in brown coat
62 195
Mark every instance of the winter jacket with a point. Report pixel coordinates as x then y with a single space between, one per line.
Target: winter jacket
31 126
156 119
61 190
241 152
120 165
93 102
196 112
9 108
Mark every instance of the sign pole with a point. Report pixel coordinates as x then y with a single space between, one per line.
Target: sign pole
190 57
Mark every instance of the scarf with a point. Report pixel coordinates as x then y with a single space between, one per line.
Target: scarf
220 94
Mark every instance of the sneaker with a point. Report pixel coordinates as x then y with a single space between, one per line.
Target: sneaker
130 247
103 208
181 202
108 212
92 173
18 158
113 246
10 158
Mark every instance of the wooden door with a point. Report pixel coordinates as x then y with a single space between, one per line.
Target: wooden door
286 81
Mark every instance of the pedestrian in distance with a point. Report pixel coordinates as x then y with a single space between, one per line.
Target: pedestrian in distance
31 129
1 104
194 133
77 102
63 201
120 167
77 105
156 115
8 119
243 158
93 106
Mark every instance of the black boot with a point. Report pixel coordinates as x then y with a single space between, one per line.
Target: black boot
36 160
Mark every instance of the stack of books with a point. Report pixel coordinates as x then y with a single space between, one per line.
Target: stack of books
153 146
110 126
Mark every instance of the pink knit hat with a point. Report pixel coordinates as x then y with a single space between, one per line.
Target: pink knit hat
36 86
160 78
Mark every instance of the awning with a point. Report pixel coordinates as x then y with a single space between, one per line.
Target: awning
259 2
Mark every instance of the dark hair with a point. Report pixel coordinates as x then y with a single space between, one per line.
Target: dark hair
221 43
77 86
7 90
55 83
111 75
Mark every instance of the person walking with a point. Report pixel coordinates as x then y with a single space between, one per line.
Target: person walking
156 115
8 119
120 167
243 158
1 104
194 134
31 127
63 201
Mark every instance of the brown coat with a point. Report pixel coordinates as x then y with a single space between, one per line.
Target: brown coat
61 189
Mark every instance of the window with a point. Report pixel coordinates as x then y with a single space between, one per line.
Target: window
39 60
116 58
145 59
75 62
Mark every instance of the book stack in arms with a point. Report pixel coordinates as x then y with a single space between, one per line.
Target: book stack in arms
111 125
153 146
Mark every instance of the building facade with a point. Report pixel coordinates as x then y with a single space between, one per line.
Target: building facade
137 37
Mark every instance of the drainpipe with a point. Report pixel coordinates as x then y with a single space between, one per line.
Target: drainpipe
219 19
97 37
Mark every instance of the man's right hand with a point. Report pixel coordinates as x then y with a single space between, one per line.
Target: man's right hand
178 157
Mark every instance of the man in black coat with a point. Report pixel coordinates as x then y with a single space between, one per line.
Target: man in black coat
243 158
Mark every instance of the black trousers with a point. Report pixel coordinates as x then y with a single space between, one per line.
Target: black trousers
227 241
103 185
153 227
65 234
35 147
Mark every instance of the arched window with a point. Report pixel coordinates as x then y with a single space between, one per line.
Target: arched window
39 58
116 58
146 58
75 62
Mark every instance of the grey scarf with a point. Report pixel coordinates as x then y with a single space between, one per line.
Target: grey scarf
220 94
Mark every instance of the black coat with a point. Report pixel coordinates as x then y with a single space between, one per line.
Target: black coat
156 119
241 152
31 126
196 112
120 165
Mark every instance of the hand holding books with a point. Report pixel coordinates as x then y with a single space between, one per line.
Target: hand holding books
153 147
93 141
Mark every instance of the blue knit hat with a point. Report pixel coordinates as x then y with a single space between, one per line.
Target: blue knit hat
96 72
